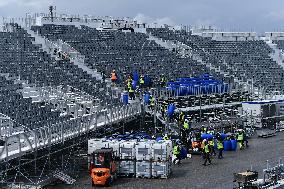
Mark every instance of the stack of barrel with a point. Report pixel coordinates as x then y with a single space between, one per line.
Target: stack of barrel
205 84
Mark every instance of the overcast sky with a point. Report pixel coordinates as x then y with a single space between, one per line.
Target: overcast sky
243 15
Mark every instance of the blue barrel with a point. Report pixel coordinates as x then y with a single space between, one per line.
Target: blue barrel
183 153
227 145
134 84
234 145
171 110
135 76
147 80
223 136
159 139
125 98
206 136
147 98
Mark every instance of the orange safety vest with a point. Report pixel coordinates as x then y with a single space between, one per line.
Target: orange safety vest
113 76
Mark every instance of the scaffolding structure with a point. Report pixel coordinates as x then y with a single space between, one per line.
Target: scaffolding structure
41 155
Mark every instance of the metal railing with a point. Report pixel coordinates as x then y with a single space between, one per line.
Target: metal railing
19 144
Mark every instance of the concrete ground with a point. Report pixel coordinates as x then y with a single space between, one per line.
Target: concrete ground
192 174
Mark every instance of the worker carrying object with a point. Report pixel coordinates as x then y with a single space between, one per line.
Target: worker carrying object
220 148
113 76
207 153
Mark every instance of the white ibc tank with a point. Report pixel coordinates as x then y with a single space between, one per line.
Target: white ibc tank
161 169
98 143
126 167
144 150
143 169
162 151
127 150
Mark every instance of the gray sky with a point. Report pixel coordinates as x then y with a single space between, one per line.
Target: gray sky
243 15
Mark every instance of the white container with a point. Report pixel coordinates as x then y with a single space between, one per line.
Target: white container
143 169
161 169
127 150
162 151
126 168
144 150
98 143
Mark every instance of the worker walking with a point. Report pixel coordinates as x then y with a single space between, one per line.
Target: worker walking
220 148
211 147
176 152
207 153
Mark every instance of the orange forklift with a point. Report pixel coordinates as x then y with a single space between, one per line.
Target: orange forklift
103 169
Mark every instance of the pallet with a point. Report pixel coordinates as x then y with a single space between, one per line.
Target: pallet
161 177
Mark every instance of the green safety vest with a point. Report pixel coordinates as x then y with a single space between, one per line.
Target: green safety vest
152 101
129 85
176 150
141 81
131 90
186 125
220 145
165 138
240 136
211 142
206 148
181 117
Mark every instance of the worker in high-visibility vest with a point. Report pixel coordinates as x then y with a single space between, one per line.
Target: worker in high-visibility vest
176 152
211 146
131 93
166 137
240 139
207 153
152 102
113 76
163 81
220 148
181 119
141 81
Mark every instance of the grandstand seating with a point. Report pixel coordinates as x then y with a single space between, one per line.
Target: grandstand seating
246 60
125 52
21 59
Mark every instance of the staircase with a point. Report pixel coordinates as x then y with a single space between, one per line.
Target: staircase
63 177
49 47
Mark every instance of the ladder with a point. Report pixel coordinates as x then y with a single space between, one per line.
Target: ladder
63 177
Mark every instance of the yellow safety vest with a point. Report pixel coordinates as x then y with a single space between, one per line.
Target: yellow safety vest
186 125
220 145
141 81
206 148
176 150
